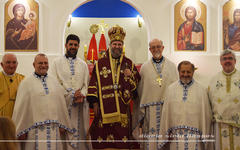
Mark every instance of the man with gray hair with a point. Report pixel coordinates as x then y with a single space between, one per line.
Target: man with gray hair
9 82
224 94
40 113
156 75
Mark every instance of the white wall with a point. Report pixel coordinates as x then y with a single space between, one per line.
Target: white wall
158 17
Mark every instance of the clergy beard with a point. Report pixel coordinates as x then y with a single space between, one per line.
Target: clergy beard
157 56
116 52
72 52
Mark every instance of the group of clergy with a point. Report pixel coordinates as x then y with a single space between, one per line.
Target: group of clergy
170 110
181 113
48 108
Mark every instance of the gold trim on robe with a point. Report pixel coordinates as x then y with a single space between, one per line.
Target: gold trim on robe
114 89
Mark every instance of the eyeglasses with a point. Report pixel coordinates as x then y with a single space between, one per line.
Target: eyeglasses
158 46
227 58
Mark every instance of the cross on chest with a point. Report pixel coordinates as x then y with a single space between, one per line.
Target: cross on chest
105 72
159 81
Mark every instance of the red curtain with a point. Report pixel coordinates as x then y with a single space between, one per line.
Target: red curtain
92 50
102 43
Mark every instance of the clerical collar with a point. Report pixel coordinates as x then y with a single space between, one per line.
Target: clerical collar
43 79
157 61
185 89
186 85
7 74
231 73
69 56
40 76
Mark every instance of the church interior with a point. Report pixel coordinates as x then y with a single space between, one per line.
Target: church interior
143 20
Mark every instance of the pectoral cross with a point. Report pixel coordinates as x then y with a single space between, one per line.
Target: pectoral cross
105 72
159 80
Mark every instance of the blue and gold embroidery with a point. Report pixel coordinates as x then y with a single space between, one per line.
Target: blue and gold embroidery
235 118
219 85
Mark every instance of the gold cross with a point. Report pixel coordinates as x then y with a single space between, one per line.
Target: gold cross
219 101
124 139
99 139
235 101
159 80
105 72
110 138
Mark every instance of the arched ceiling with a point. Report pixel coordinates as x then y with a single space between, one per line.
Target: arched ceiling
105 9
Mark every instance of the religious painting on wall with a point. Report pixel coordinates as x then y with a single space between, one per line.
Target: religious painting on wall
21 24
231 26
190 26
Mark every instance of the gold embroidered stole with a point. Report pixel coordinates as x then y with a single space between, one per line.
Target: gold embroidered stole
108 94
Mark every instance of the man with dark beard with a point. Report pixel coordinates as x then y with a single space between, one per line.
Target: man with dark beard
72 73
111 88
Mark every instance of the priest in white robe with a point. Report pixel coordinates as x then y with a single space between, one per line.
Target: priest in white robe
40 113
156 75
224 93
186 115
72 73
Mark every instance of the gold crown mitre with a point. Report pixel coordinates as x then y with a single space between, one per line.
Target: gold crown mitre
116 33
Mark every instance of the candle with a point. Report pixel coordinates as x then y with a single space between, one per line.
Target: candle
85 48
92 55
85 52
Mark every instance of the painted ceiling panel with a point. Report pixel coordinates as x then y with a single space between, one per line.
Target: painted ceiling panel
105 9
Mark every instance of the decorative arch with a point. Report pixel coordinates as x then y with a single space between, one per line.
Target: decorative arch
85 35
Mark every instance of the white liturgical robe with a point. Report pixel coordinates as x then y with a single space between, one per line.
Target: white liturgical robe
73 74
186 117
151 91
224 94
40 110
